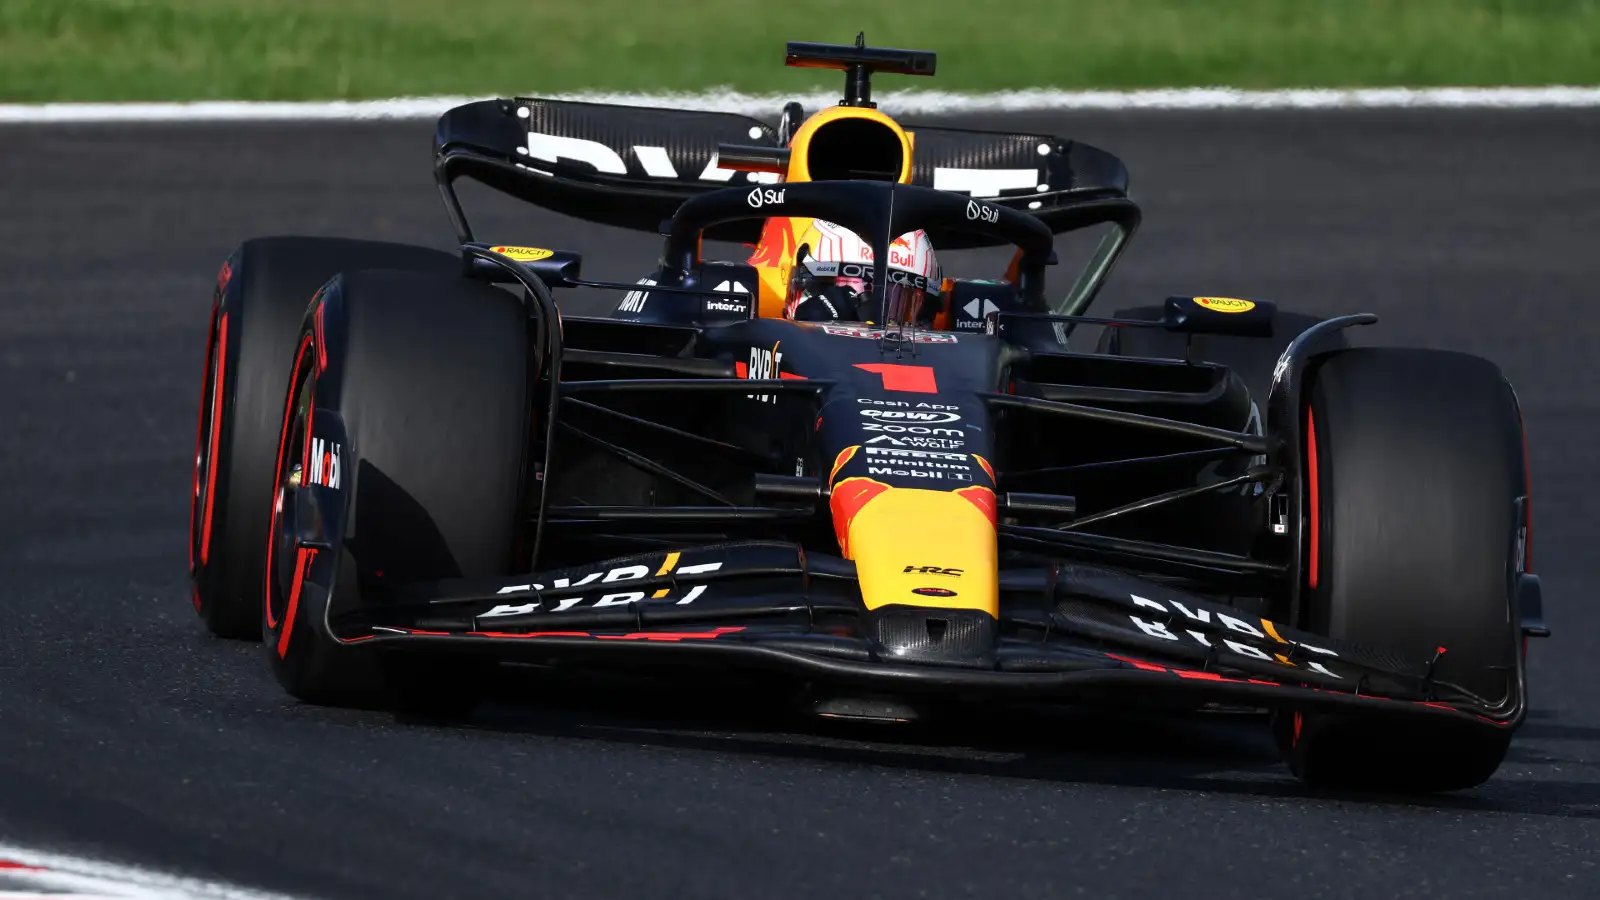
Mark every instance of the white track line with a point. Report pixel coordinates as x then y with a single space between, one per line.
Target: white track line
899 102
58 875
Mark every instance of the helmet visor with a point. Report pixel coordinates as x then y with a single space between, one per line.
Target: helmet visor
905 293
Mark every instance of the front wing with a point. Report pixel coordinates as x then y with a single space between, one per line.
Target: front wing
1068 631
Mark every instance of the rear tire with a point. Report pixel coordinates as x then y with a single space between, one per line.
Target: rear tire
1418 465
425 389
262 294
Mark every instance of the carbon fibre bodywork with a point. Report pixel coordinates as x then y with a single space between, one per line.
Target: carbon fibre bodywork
1065 631
934 505
718 528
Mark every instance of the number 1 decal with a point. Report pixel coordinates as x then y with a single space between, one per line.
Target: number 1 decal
911 379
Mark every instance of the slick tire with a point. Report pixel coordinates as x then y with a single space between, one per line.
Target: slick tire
1251 358
1413 537
418 384
262 293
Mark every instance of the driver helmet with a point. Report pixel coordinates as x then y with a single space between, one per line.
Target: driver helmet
834 273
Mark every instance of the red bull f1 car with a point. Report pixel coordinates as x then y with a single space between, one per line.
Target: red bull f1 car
834 464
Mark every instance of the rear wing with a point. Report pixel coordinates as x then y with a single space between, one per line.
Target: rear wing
632 166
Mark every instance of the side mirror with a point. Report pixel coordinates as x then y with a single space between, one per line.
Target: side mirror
556 268
1219 315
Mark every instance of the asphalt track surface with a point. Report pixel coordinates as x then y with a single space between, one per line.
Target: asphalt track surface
127 732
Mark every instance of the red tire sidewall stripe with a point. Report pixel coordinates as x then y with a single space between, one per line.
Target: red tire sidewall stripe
302 561
277 473
216 439
305 451
200 439
322 345
1314 514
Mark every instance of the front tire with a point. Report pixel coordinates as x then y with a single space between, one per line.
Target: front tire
1415 470
420 381
262 293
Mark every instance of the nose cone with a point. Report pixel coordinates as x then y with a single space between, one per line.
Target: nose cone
917 547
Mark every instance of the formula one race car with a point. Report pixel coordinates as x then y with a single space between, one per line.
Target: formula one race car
832 465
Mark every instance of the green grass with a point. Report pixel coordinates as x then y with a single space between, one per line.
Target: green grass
314 49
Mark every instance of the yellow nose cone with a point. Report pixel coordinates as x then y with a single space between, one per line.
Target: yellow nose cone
917 547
